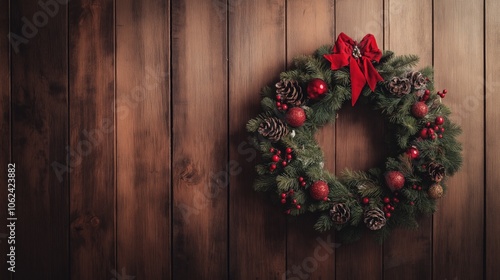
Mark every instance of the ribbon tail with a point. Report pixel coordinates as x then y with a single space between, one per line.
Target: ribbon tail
358 81
371 74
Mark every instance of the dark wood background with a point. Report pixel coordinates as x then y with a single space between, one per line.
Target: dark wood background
125 120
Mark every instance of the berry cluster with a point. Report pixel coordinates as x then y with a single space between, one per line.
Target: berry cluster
281 106
280 158
443 93
390 206
432 129
287 197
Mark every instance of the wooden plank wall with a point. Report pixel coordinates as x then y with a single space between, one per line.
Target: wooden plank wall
126 122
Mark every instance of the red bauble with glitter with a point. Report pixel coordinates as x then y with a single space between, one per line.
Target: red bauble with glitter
395 180
419 110
296 116
319 190
316 88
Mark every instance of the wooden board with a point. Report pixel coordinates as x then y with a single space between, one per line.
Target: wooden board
310 24
256 57
359 138
40 138
492 132
200 140
92 195
4 131
458 251
409 252
143 141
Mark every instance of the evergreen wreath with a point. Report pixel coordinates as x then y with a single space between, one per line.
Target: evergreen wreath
422 145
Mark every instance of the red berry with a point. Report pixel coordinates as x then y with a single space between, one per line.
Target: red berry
423 133
283 163
392 208
445 91
396 200
440 136
283 201
428 124
294 201
290 191
303 183
301 179
366 200
278 152
388 215
275 158
271 150
272 166
284 107
287 212
289 157
412 203
442 129
296 116
278 97
278 104
427 92
439 120
433 136
386 200
288 150
283 195
419 188
430 131
298 206
325 198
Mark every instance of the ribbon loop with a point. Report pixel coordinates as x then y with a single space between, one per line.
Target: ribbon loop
359 57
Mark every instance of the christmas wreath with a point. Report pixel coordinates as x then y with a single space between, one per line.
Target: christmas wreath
422 145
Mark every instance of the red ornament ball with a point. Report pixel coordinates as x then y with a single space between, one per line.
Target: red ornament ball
316 88
413 152
439 120
296 116
319 190
275 158
395 180
419 110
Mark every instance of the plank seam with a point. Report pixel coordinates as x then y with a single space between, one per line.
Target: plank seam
485 201
228 155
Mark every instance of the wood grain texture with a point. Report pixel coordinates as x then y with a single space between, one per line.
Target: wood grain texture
492 132
359 129
310 24
92 195
256 57
143 138
4 130
200 140
458 60
409 252
40 138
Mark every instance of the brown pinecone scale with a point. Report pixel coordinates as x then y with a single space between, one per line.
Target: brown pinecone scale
399 86
290 92
436 171
417 79
340 213
273 129
375 219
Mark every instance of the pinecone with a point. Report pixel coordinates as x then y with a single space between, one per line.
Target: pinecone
340 213
417 80
375 219
436 171
290 92
273 128
399 86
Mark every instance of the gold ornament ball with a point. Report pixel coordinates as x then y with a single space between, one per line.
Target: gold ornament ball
435 191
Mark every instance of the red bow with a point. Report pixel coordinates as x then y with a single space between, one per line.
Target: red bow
359 58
